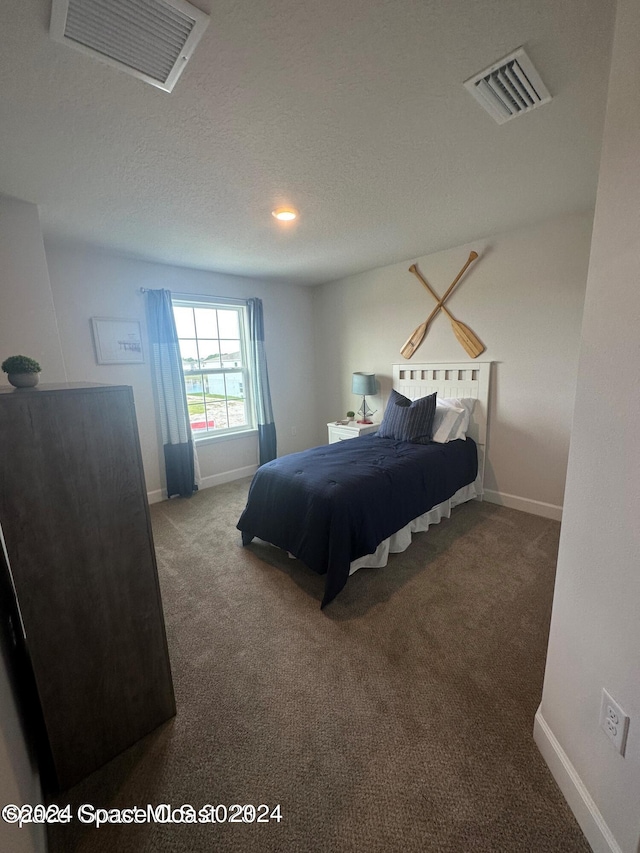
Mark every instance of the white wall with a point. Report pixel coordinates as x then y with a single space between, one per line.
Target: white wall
27 317
523 298
595 628
89 283
27 327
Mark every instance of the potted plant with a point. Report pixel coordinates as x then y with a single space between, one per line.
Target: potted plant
22 372
350 416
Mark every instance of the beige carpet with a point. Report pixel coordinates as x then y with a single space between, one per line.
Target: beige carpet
398 719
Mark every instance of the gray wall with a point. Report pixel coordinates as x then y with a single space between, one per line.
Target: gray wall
595 628
523 298
88 283
27 327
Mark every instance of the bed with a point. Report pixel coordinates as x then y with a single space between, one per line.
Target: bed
345 506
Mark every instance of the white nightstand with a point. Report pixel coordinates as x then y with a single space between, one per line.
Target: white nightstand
341 432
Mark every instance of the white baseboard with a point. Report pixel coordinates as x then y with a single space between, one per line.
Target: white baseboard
524 504
206 482
573 789
228 476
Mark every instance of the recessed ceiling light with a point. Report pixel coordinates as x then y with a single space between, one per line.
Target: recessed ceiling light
285 214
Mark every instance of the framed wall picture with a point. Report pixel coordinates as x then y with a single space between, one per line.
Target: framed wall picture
117 341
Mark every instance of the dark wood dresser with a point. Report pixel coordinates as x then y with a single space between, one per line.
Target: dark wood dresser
77 543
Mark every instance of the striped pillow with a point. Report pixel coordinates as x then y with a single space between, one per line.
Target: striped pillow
408 421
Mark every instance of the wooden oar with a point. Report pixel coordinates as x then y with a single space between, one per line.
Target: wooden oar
412 343
472 344
417 336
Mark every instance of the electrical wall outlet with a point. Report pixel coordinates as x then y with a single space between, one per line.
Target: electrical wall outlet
614 722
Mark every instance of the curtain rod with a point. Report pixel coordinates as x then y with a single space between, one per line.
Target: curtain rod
195 297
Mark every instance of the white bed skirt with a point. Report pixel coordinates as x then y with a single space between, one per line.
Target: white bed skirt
401 540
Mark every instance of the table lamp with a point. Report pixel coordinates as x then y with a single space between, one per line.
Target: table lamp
365 384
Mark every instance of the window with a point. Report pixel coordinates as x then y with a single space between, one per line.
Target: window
212 337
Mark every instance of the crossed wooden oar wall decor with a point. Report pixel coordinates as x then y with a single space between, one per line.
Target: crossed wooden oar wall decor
472 344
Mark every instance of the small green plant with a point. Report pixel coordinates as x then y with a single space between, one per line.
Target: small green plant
351 414
20 364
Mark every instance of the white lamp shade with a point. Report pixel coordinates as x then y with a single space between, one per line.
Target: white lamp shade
364 383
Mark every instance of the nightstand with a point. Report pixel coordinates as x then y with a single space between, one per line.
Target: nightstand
341 432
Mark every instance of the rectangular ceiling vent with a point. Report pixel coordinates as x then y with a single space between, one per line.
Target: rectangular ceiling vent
509 88
151 39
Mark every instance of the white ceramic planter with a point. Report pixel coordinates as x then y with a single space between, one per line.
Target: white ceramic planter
23 380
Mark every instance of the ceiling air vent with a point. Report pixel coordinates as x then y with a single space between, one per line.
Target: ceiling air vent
509 88
151 39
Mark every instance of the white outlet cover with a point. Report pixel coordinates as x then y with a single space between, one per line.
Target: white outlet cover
614 722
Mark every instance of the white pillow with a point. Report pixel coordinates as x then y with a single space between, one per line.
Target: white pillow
459 429
446 421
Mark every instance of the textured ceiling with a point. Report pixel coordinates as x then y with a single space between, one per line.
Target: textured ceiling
354 112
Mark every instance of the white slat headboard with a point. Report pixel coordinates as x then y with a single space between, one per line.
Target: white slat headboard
451 380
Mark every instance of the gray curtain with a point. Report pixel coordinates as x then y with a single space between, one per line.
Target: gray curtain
168 378
261 392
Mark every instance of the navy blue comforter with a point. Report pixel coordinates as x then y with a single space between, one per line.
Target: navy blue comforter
332 504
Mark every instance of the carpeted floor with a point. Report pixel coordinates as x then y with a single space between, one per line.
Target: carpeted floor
398 719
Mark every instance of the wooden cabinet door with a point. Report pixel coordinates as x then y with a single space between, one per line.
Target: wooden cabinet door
75 520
